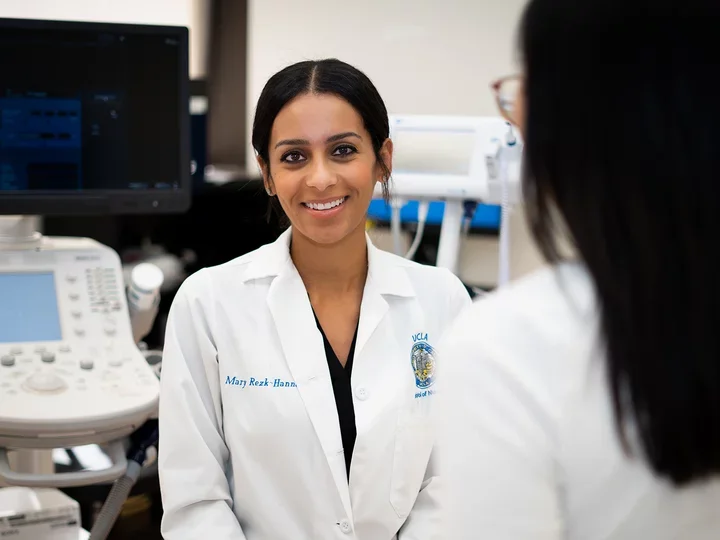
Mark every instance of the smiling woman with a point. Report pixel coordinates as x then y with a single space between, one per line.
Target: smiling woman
297 383
322 167
315 113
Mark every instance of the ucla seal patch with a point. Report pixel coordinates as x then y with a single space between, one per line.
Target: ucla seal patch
422 357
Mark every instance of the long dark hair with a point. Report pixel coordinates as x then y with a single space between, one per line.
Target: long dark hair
329 76
623 139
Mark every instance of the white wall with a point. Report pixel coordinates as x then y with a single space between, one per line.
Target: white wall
425 57
190 13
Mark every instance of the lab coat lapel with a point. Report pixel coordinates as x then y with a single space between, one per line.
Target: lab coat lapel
384 278
304 351
372 310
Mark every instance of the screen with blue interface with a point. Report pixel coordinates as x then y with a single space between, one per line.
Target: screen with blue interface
28 308
88 110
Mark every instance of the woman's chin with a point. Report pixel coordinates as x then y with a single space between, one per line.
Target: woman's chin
327 234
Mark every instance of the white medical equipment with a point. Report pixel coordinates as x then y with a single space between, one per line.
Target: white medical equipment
38 514
96 137
143 297
70 371
453 159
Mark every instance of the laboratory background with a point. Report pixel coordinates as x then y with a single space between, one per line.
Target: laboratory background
102 270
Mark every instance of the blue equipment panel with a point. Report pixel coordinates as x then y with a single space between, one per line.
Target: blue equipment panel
486 216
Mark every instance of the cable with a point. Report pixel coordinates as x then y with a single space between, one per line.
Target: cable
114 502
505 210
504 255
145 439
423 207
395 225
469 208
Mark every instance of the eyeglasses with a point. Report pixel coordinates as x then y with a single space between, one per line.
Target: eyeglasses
507 92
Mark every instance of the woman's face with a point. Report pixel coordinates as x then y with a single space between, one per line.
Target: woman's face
511 100
322 167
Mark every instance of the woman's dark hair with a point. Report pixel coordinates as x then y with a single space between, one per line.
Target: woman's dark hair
329 76
622 138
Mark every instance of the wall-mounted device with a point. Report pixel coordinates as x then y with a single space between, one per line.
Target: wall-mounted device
455 159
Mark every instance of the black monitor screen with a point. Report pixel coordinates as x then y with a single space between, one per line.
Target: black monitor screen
89 108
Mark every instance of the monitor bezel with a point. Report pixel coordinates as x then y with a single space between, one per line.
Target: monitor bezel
113 202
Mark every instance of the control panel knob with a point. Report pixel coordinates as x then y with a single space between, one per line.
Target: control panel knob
7 360
47 357
45 381
87 363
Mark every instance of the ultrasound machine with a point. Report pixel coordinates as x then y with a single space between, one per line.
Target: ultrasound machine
94 120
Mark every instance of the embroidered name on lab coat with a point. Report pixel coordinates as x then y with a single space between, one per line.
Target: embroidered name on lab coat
259 383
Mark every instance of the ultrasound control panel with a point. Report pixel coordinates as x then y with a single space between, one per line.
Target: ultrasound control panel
68 362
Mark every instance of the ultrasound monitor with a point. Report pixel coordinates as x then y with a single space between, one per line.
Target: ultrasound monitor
94 118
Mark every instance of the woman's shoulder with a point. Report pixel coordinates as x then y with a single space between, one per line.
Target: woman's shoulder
208 283
423 274
438 289
537 327
553 295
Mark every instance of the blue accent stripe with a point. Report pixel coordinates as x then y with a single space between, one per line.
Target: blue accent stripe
486 216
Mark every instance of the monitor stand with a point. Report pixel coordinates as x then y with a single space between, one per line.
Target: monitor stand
20 232
449 245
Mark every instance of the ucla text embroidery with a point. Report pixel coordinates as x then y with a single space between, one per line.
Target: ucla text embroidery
422 359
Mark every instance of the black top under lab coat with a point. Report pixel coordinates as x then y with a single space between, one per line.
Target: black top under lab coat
343 394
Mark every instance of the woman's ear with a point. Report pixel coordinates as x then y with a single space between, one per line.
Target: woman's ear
267 180
386 154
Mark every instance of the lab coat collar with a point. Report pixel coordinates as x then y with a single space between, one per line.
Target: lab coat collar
385 271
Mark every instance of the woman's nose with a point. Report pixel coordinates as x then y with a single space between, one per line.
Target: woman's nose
321 176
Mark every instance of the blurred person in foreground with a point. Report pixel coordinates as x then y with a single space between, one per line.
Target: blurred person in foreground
583 401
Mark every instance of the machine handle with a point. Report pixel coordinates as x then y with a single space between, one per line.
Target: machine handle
116 451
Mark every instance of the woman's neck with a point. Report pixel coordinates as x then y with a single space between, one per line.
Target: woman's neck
339 268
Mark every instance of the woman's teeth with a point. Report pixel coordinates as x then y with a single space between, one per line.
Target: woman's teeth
327 205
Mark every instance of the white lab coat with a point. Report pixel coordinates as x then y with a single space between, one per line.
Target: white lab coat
527 442
250 444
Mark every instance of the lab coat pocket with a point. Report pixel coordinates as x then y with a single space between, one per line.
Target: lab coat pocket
413 447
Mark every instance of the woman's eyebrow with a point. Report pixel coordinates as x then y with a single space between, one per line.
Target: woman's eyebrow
305 142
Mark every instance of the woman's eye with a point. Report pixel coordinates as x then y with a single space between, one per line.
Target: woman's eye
292 157
344 150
